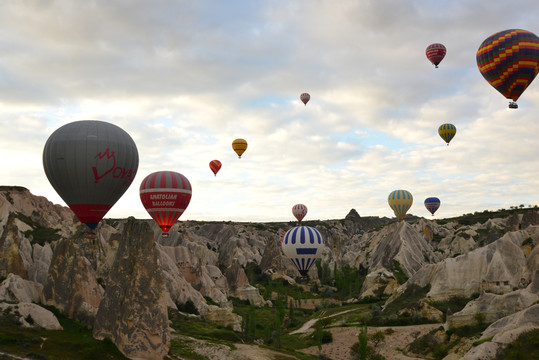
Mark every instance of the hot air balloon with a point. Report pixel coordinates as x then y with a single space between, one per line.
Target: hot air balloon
302 245
432 204
239 146
447 132
165 195
299 211
509 61
400 201
215 166
435 53
90 164
305 97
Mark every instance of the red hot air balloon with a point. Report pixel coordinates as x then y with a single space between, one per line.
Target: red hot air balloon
509 61
435 53
305 97
215 166
90 164
165 195
299 211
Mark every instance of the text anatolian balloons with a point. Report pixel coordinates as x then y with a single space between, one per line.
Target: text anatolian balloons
90 164
165 195
302 245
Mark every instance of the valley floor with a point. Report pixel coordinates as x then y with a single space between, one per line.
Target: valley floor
345 337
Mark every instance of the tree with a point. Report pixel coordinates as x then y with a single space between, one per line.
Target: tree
363 339
377 338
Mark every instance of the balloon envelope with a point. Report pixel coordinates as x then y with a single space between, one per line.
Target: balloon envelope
435 53
299 211
509 61
90 164
239 146
432 204
165 195
305 97
215 166
302 245
400 201
447 132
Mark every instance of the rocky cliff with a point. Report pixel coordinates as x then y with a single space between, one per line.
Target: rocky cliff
121 281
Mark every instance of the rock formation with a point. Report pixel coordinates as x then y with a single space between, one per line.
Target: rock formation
133 312
72 285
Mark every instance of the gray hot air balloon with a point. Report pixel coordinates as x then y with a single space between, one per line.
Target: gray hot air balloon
90 164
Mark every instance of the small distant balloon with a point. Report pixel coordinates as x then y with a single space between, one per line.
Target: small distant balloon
299 211
432 204
305 97
215 166
239 146
90 164
509 61
447 132
302 245
435 53
400 201
165 195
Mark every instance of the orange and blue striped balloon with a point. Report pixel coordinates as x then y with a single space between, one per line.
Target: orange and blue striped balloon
509 61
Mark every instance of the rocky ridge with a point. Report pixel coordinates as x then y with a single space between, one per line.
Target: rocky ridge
206 260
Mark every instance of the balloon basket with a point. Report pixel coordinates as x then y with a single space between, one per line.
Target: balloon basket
89 235
513 105
165 235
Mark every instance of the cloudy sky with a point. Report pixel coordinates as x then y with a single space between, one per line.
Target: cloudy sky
185 78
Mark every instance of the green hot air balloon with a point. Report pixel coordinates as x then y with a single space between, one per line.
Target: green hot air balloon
90 164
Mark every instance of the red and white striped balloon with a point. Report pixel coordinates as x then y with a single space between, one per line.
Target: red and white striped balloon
165 195
299 211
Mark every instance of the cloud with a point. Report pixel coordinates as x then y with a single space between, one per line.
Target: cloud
185 78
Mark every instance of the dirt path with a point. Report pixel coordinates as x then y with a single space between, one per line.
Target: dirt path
307 326
345 337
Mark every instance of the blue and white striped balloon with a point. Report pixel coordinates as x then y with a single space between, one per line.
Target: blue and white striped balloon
302 245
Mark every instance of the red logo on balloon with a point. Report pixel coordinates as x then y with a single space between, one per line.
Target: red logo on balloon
116 171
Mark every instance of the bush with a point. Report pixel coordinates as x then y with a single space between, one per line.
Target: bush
524 347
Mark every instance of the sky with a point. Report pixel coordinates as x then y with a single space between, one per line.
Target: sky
186 78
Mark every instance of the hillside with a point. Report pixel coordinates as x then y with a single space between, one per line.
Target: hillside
129 292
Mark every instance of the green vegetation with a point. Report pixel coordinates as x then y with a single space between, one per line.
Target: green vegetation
483 340
528 241
453 304
200 329
347 280
524 347
399 274
39 234
73 342
429 343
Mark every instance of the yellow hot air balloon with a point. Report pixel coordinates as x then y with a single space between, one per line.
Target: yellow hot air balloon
400 201
447 131
239 146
